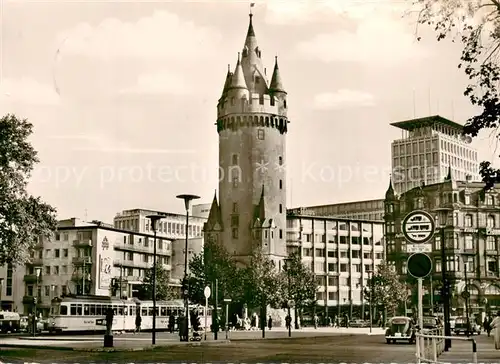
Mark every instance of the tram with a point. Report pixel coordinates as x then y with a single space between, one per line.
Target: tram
88 313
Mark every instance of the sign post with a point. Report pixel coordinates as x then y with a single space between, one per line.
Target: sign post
227 301
420 266
207 292
418 228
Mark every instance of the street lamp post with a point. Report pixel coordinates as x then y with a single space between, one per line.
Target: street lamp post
289 286
154 219
187 201
445 291
466 292
370 275
38 272
1 288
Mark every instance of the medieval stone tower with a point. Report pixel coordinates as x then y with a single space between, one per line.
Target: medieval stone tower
252 125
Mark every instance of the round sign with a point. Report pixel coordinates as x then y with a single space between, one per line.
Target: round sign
418 227
207 292
419 265
465 294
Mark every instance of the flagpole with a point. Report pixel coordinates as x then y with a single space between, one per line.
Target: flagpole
251 6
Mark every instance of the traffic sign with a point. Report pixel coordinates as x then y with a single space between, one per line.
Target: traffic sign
418 248
207 292
419 265
418 227
465 295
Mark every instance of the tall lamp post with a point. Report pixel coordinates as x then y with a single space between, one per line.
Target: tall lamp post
187 202
154 219
443 218
289 286
1 288
466 294
38 272
370 275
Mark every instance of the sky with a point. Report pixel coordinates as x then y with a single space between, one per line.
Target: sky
123 94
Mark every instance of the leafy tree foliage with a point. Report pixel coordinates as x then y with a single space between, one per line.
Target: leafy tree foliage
387 290
23 218
299 282
476 24
261 282
214 263
163 289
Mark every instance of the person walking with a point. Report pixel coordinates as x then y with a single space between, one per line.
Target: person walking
495 325
138 321
486 325
270 323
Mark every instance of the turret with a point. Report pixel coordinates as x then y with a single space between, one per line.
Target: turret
276 85
251 62
389 194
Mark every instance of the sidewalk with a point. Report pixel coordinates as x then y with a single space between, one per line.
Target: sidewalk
461 351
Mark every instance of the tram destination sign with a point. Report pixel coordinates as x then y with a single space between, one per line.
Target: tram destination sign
418 227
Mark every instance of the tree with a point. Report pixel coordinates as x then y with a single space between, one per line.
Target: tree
299 282
387 290
477 25
213 263
261 283
163 289
23 218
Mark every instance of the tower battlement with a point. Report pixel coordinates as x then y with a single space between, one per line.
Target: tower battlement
258 103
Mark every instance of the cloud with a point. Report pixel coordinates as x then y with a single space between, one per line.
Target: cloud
161 82
162 35
26 91
376 40
342 99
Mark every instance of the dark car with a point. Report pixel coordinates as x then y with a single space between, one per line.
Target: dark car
400 328
431 323
461 326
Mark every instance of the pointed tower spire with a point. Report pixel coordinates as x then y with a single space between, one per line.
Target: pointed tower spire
214 216
276 82
238 77
389 194
251 61
250 32
449 177
227 83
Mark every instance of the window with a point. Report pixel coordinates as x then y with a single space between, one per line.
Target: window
489 200
331 254
56 253
65 253
490 222
281 184
47 270
280 160
260 134
320 253
467 199
470 264
235 233
235 207
343 268
469 242
281 208
438 265
491 244
468 220
492 266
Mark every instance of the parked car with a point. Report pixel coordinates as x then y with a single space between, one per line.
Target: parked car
359 323
400 328
461 327
431 323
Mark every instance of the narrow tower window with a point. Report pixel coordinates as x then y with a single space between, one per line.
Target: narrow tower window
281 184
235 207
260 134
280 160
281 233
281 208
235 159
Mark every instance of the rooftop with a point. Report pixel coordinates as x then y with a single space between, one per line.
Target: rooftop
427 121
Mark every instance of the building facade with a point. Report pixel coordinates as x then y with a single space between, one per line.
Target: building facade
252 124
171 226
372 210
82 258
469 220
342 253
427 149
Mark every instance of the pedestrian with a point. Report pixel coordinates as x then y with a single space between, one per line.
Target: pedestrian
270 322
495 325
288 321
486 325
171 323
138 321
316 319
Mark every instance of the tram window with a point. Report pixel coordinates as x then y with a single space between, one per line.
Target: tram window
86 310
163 311
131 310
120 311
73 309
169 311
144 311
63 310
150 311
92 310
115 310
79 309
98 310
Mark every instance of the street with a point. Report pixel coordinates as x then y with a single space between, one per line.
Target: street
311 346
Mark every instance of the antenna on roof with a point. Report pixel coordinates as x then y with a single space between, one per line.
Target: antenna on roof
85 215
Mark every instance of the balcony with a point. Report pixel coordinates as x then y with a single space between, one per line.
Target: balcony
32 278
140 248
82 243
37 262
82 260
132 264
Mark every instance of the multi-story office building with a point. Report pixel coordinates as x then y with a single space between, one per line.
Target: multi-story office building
427 149
171 226
360 210
341 253
81 258
469 218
